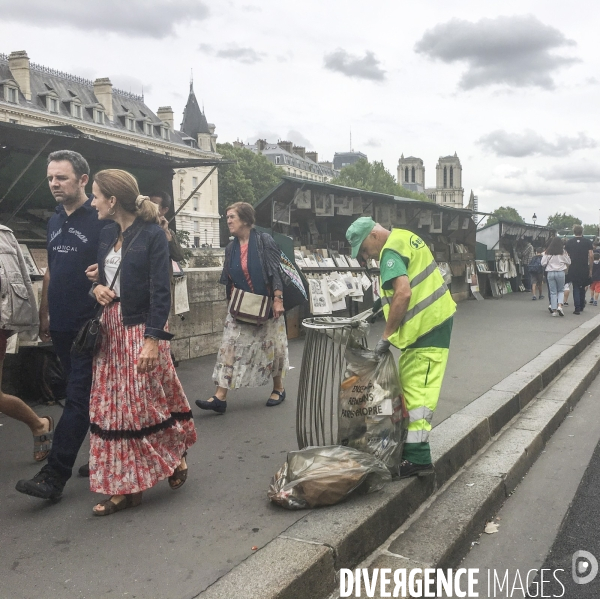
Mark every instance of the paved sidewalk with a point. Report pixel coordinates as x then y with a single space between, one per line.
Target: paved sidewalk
177 543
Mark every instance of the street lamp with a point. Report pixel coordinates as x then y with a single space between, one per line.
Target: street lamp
534 218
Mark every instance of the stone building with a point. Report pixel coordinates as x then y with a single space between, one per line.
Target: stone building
411 173
35 95
342 159
448 189
294 160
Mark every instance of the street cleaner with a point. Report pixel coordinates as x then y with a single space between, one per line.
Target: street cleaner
419 311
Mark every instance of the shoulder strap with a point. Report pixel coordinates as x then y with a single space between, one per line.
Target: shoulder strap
123 257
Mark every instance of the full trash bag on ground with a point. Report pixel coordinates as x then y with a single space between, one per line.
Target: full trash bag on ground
318 476
372 414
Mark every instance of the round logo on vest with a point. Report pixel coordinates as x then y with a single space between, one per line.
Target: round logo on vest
416 242
390 263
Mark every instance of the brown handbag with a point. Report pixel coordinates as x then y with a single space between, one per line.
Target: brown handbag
249 307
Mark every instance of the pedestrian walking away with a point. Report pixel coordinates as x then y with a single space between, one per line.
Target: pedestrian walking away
141 421
250 355
556 262
536 273
419 312
580 272
72 242
19 316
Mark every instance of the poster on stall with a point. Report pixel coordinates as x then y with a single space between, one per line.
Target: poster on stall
302 199
180 295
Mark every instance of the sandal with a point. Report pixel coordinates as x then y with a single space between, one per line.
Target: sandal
110 507
42 444
178 477
275 402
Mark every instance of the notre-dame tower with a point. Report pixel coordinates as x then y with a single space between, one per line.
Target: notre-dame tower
448 182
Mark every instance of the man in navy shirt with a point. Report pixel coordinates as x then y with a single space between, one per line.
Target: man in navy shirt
73 234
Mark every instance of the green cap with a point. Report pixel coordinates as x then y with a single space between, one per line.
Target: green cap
358 231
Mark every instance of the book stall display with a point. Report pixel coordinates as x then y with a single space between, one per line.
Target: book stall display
316 216
501 247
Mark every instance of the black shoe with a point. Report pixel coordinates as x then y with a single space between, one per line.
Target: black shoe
275 402
44 485
541 297
407 469
84 470
591 301
577 312
216 405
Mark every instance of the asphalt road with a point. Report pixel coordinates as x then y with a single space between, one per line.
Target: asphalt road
177 543
552 514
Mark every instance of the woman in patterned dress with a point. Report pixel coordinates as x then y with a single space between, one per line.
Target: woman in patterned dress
141 422
250 355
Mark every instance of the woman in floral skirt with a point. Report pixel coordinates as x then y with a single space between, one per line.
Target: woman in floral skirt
141 422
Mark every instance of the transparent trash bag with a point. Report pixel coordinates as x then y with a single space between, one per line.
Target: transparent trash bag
317 476
372 414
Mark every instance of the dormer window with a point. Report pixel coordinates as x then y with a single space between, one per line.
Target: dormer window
52 104
164 133
99 116
147 128
130 124
11 94
76 110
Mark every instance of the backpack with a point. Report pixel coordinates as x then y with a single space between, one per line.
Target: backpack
535 266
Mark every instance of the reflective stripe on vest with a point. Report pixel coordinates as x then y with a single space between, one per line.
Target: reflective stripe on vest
431 303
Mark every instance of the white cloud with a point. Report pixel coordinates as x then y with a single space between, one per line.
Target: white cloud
517 51
138 18
530 143
367 67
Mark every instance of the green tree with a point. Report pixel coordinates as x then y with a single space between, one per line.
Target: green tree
590 229
373 176
562 221
248 179
505 213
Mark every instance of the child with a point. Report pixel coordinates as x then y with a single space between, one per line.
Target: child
536 273
595 287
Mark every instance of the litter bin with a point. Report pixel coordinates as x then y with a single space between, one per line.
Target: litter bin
321 373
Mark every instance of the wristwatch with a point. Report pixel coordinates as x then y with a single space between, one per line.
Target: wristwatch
278 297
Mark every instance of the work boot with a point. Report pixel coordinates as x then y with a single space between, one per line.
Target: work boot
407 469
84 470
44 485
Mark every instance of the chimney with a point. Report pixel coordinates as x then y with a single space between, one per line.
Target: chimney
285 145
18 63
312 156
261 144
300 151
238 144
165 114
103 93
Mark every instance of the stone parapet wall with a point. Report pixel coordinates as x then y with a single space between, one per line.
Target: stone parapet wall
201 330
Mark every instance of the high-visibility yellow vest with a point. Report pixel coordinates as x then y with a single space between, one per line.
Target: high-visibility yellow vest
430 302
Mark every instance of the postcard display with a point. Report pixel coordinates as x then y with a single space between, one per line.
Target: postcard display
336 281
505 264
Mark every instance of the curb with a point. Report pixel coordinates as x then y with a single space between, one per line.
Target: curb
304 560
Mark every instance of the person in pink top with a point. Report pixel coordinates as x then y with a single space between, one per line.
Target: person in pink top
556 262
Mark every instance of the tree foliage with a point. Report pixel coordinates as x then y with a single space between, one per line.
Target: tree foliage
590 229
562 221
373 176
505 213
248 179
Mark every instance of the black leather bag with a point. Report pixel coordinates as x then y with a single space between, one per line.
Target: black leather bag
89 335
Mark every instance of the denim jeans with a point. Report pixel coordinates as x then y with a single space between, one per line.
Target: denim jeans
75 420
579 296
556 286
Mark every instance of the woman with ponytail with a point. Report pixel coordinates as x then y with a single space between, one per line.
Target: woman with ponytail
141 422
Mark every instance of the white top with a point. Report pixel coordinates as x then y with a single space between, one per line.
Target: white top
556 263
111 263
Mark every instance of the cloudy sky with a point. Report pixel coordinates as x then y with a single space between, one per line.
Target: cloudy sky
513 87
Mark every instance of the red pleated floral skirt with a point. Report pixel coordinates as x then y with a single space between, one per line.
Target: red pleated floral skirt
141 424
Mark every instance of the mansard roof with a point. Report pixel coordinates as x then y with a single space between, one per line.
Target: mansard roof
194 121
